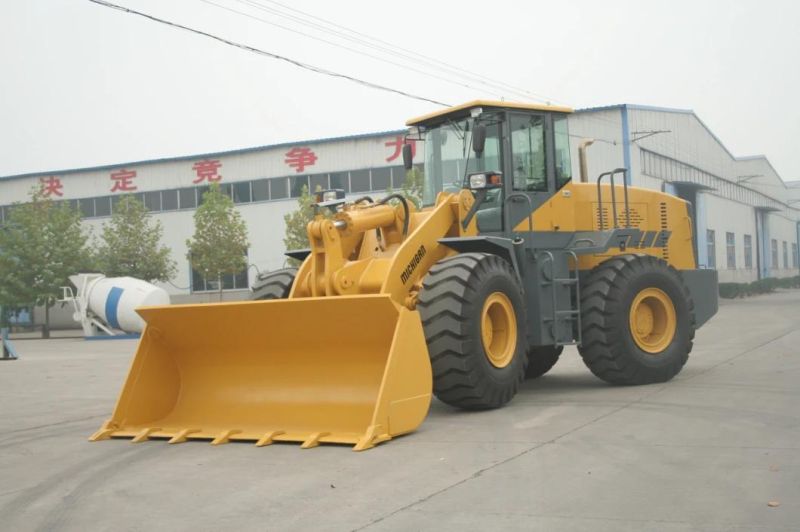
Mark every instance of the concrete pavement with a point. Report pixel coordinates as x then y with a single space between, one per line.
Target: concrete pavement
706 451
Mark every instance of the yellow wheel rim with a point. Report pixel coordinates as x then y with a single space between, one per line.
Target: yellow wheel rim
499 329
652 320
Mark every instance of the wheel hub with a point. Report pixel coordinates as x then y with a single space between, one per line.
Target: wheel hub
653 320
499 329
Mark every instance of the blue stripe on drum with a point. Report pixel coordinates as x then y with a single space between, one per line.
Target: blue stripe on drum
112 302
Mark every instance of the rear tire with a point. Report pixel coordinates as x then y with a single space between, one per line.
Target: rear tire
541 359
473 316
273 285
618 348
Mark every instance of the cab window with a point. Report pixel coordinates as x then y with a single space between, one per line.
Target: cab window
563 165
528 153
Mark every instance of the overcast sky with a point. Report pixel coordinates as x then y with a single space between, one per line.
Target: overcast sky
84 85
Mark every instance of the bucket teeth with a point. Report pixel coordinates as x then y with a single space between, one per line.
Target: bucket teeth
224 437
105 431
102 434
144 434
182 436
267 438
313 440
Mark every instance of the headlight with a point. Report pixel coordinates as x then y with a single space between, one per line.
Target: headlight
477 181
325 197
485 180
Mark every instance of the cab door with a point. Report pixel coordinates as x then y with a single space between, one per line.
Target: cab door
530 169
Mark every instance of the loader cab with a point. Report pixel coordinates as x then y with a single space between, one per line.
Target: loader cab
527 144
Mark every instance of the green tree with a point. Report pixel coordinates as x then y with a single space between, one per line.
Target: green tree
296 236
412 186
41 244
219 244
131 244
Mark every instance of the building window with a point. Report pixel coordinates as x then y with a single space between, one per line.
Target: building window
152 200
200 192
102 206
319 181
231 281
87 207
398 176
785 255
775 263
359 181
241 192
278 188
730 250
169 200
261 190
794 255
748 252
226 189
711 248
381 178
298 182
340 180
188 198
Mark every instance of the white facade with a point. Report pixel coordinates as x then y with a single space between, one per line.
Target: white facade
263 181
665 149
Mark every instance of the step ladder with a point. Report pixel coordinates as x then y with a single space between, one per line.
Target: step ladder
568 316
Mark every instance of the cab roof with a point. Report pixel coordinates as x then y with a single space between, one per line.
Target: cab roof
459 110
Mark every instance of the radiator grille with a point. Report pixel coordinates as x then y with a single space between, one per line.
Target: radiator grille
637 219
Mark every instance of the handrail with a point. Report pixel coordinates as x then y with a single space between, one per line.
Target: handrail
514 195
610 175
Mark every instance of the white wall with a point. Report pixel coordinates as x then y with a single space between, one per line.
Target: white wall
782 230
606 152
724 216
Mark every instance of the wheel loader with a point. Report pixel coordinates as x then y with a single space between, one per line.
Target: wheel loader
507 260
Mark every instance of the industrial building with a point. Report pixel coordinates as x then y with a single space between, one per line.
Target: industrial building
746 218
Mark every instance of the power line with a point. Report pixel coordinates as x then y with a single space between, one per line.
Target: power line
390 48
338 45
271 55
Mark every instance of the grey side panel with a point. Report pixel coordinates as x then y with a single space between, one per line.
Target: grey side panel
704 288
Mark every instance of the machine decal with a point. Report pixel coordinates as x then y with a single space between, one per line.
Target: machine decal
412 264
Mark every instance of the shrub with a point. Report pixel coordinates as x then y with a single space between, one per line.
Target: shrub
762 286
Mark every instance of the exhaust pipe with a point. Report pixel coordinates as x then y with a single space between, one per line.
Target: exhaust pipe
585 143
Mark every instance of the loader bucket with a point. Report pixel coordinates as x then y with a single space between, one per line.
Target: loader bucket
351 369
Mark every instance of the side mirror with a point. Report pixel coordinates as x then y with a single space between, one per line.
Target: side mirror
408 157
478 139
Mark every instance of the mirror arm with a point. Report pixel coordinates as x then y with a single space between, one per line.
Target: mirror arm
480 197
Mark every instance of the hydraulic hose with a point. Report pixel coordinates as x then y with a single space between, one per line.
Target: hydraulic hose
406 210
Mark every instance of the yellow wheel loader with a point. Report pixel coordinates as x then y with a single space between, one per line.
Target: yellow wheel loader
508 260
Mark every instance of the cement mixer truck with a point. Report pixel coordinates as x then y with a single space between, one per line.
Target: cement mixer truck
105 306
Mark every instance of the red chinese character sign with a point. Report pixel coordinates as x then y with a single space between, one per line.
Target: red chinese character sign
51 186
207 170
123 181
397 147
299 158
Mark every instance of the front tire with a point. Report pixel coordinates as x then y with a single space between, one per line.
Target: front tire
473 316
637 320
